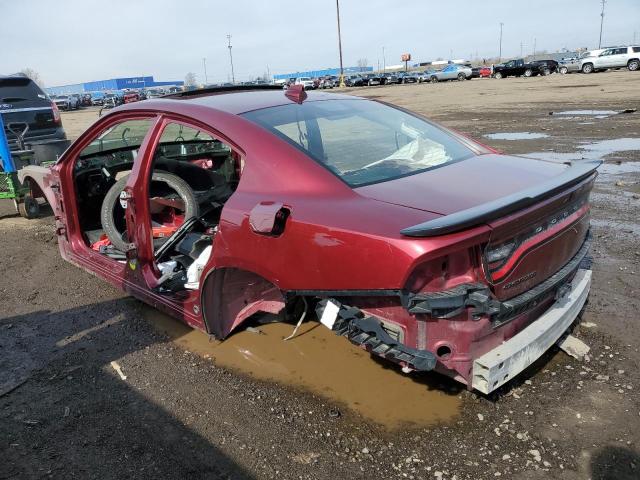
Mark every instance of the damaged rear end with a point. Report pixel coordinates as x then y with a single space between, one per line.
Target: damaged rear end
508 278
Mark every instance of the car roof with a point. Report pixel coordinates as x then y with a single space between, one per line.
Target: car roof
234 100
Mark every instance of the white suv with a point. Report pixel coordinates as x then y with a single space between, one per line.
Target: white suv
615 57
306 82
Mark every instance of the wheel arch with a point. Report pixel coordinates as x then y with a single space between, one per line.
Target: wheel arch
230 295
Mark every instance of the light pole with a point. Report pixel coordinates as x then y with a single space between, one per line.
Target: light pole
340 44
601 22
535 41
500 54
204 64
384 60
233 76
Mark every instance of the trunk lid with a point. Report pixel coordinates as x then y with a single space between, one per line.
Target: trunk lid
538 212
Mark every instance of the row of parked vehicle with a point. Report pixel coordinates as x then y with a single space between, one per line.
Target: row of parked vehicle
450 72
108 99
591 61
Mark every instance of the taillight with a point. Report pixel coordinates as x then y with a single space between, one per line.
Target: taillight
56 112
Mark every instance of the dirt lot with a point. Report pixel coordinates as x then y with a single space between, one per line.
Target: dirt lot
316 407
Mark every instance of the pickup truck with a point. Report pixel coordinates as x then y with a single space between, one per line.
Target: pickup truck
515 68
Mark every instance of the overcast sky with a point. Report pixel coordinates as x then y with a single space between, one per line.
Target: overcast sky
70 41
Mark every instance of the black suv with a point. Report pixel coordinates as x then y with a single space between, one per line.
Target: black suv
29 113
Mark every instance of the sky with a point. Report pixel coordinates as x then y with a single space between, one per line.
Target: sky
72 41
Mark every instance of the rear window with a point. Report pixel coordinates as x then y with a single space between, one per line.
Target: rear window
361 141
16 89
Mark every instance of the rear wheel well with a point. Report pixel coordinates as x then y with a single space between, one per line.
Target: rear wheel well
231 295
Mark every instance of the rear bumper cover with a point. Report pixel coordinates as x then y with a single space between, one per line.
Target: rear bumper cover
501 364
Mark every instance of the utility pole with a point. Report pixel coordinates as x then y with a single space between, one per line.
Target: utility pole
384 60
204 64
535 40
520 49
340 44
500 54
233 76
601 23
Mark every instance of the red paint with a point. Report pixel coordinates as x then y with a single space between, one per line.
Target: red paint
335 237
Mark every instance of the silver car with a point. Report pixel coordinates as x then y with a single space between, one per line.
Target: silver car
569 65
451 72
616 57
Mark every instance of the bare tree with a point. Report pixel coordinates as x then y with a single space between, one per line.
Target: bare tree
362 63
190 79
33 75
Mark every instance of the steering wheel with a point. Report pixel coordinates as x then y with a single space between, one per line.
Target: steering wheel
167 193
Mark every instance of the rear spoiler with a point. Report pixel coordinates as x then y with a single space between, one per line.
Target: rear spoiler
503 206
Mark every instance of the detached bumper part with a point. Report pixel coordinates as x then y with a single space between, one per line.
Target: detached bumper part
501 364
368 332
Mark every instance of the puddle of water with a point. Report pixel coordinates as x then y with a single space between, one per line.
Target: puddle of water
328 365
515 136
594 151
615 169
601 113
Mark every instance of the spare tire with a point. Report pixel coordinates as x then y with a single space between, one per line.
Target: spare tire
111 203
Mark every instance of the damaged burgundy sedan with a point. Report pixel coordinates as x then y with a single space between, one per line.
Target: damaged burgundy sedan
413 241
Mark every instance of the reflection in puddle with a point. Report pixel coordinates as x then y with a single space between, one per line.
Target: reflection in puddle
516 136
325 364
599 113
614 168
595 151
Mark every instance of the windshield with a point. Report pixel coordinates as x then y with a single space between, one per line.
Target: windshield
361 141
15 89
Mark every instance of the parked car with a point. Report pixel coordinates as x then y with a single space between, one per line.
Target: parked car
617 57
110 100
66 102
569 65
422 76
412 241
131 96
389 78
154 93
29 113
78 99
97 98
451 72
407 77
86 100
328 82
306 82
515 68
481 72
354 81
546 67
372 79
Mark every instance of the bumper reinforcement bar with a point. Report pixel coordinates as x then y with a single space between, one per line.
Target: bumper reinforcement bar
368 332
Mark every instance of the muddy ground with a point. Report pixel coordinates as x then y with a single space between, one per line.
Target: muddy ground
316 407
